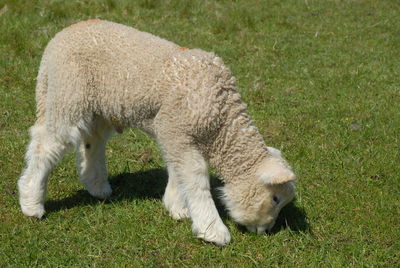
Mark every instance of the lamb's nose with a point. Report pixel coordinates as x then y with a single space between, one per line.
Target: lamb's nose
261 229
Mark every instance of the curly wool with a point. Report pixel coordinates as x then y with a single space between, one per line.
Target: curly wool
98 76
87 65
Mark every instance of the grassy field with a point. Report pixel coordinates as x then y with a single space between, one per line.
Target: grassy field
321 79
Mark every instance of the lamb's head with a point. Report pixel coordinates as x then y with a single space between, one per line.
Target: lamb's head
256 201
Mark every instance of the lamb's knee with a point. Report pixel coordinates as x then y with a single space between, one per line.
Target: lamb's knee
194 169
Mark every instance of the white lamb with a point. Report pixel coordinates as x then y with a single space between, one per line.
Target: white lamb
97 77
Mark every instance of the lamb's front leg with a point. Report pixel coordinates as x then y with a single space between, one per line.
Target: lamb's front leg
194 183
173 198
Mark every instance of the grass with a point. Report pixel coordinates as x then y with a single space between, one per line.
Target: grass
321 79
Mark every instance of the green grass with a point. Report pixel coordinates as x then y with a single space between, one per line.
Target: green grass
321 79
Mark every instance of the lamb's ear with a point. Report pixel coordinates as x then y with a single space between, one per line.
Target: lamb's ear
275 152
276 172
278 176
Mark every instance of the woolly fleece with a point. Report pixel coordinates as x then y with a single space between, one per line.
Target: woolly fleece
98 76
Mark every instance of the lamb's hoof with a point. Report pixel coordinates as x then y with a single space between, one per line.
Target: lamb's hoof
176 208
101 193
218 235
179 213
36 211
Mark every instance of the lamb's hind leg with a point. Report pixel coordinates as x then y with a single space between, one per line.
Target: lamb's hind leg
44 151
91 160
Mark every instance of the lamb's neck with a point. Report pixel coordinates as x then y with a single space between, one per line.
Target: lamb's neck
238 149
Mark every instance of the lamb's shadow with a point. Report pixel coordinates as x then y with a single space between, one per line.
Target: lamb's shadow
292 217
151 184
141 185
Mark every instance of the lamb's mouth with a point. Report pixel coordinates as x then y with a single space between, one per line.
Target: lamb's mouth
260 229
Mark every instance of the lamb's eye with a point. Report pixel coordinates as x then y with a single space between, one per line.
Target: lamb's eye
275 199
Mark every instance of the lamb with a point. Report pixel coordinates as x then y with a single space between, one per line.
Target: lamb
97 77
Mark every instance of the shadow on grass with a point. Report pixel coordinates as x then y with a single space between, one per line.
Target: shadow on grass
141 185
151 184
293 218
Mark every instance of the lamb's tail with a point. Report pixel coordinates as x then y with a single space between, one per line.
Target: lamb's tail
41 93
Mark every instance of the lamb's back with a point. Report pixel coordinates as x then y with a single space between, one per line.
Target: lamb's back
110 48
121 73
107 68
